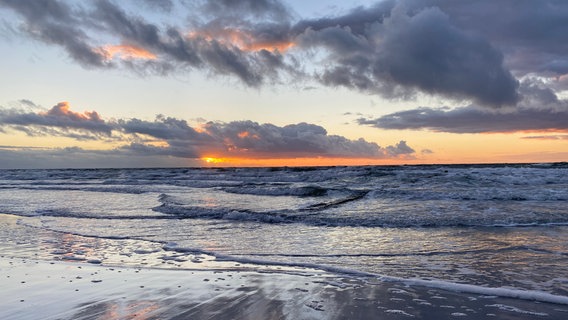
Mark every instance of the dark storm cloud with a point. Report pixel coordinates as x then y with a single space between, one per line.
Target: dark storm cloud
135 30
165 5
176 48
167 136
511 36
463 50
56 23
533 33
357 20
271 9
423 52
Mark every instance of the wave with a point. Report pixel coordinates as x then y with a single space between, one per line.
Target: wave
412 254
317 218
66 213
537 182
258 264
279 190
371 196
108 189
531 295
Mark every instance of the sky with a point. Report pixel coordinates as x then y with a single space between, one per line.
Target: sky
177 83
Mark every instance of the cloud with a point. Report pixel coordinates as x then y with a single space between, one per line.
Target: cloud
164 5
267 9
548 137
529 32
126 52
57 121
471 119
540 110
73 157
462 50
251 139
400 148
172 137
407 53
56 23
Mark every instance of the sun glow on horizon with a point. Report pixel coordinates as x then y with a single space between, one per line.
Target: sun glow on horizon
211 160
300 162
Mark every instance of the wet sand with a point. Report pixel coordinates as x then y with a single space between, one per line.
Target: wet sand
54 275
71 290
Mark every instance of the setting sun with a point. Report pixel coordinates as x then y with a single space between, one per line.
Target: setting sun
213 160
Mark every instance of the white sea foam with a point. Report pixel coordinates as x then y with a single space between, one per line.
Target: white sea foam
437 284
500 226
517 310
488 291
399 312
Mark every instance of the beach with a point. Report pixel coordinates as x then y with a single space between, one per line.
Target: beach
136 282
67 290
424 242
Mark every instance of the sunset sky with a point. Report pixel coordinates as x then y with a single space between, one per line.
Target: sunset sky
157 83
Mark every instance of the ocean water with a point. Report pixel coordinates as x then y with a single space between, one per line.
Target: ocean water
488 229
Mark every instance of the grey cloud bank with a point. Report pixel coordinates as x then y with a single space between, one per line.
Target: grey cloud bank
168 137
539 111
460 50
504 62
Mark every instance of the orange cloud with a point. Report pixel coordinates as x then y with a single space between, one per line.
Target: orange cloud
126 52
533 131
241 39
243 134
62 109
246 134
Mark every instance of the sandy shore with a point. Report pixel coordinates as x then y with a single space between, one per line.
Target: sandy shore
69 290
53 275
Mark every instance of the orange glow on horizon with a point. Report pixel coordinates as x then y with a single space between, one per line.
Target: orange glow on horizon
127 52
300 162
211 160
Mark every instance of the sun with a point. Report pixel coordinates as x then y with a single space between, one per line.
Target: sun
213 160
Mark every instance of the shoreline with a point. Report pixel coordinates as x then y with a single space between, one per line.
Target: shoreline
57 275
78 290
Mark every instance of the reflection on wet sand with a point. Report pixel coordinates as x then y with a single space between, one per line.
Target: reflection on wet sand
71 290
121 286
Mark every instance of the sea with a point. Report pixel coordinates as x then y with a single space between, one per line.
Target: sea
492 229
